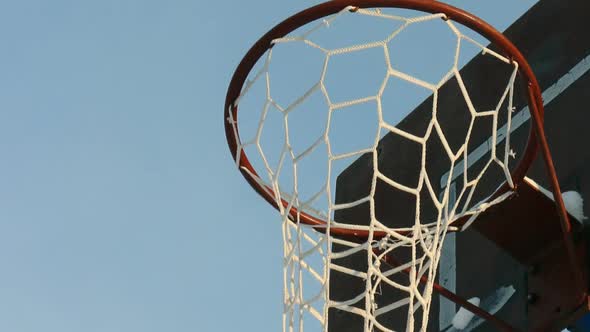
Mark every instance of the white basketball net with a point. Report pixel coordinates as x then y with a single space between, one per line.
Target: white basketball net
311 257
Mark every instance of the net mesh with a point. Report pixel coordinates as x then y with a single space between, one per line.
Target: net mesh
376 293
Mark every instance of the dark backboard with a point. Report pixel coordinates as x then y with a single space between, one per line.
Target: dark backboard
553 36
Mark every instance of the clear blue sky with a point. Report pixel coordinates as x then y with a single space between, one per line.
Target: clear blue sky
120 207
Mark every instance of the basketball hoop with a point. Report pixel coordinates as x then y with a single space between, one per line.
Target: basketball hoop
310 231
